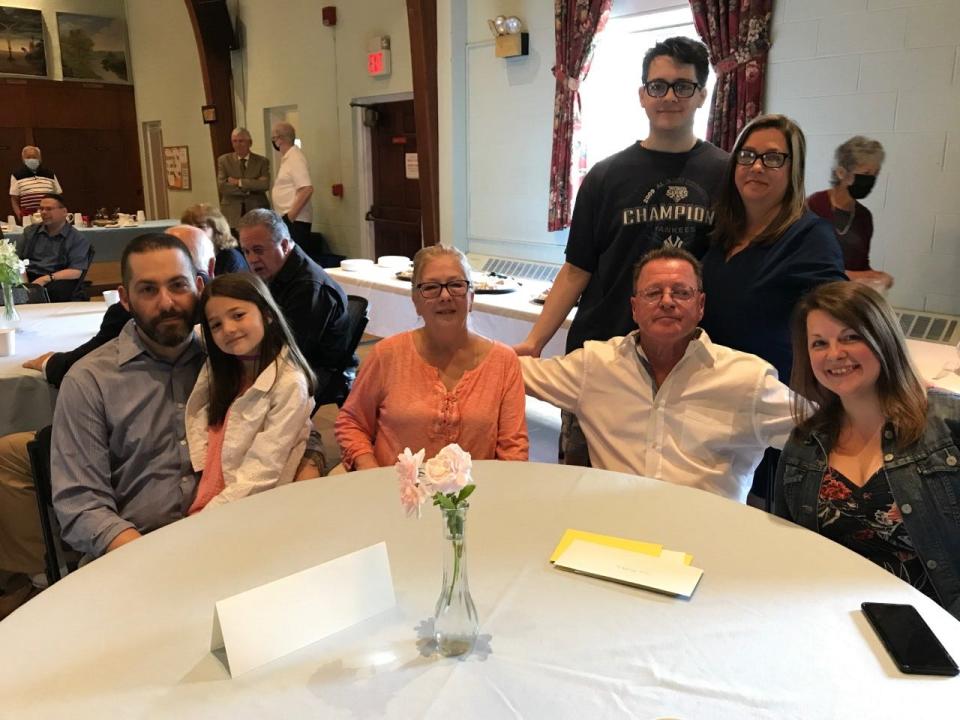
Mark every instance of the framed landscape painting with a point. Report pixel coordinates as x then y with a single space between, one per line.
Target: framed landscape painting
93 47
21 42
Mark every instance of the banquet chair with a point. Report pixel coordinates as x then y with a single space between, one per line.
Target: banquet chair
338 388
39 451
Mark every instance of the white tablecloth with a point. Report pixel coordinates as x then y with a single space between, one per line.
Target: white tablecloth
27 399
507 317
110 242
773 631
937 363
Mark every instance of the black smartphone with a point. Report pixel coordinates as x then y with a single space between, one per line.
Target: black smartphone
909 640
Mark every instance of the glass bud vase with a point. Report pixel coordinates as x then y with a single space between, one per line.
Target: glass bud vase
455 622
9 317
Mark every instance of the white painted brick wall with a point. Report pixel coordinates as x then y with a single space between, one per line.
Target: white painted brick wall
889 69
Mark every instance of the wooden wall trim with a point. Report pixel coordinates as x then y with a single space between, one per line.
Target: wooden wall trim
214 42
422 23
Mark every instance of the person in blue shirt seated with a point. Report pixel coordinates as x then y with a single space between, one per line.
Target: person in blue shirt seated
57 252
875 465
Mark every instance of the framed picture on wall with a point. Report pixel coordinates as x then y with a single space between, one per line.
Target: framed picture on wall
22 51
93 47
176 158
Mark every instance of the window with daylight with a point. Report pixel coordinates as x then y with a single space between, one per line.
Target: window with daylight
611 116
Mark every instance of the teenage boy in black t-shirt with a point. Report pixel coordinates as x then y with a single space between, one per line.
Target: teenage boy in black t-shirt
657 191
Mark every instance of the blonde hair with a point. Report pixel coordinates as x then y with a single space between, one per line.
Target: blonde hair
205 216
731 219
432 252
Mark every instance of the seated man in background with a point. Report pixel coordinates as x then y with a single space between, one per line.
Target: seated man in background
21 545
664 401
119 460
313 304
57 252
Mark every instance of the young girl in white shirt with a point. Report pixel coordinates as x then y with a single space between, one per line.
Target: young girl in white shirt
248 417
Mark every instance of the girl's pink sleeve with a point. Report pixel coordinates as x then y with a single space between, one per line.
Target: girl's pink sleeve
356 424
512 441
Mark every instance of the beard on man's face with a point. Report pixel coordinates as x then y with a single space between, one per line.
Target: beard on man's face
162 329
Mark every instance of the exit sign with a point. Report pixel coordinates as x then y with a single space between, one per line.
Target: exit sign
378 63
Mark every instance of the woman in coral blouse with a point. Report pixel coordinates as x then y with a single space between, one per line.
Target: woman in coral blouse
438 384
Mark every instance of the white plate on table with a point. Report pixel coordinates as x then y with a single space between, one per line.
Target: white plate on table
394 262
356 265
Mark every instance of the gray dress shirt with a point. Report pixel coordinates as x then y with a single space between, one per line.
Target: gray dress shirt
119 456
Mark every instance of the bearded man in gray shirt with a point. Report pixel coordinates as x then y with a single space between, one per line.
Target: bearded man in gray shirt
120 463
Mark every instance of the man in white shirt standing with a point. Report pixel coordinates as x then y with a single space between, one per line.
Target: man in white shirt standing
664 401
292 188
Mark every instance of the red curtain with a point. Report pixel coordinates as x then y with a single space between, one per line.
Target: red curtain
737 32
577 24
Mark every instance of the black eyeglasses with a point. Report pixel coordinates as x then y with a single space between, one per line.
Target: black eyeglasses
678 293
681 88
770 159
456 288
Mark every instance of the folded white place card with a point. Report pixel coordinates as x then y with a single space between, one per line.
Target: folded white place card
273 620
663 574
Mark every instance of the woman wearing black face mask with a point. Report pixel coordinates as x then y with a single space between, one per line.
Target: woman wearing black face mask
856 166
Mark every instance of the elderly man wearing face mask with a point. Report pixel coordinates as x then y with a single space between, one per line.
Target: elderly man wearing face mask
856 165
30 182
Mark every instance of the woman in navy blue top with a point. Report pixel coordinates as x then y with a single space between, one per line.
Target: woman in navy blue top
767 249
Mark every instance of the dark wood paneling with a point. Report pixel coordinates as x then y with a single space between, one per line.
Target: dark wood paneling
215 38
12 141
88 135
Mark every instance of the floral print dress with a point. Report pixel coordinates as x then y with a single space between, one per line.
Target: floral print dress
867 520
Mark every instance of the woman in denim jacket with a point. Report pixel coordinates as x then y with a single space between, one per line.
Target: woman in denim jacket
876 467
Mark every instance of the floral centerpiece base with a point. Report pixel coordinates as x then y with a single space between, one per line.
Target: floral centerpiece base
446 478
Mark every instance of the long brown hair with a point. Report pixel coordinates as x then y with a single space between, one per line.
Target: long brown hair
862 309
226 370
731 218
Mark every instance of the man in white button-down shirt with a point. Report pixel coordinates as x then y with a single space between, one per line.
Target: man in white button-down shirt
664 401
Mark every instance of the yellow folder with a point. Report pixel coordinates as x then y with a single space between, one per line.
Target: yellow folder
639 546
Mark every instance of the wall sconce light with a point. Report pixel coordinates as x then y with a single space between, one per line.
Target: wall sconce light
209 113
510 40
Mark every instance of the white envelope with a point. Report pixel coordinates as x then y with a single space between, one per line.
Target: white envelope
662 574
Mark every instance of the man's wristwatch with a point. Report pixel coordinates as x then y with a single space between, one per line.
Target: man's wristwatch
50 276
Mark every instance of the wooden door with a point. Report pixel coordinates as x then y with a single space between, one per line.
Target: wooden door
396 190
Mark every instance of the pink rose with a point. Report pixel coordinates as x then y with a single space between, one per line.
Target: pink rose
449 471
412 497
408 466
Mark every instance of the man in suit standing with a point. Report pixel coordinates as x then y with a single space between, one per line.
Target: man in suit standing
243 178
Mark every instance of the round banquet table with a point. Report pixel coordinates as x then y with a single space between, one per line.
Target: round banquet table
774 629
28 399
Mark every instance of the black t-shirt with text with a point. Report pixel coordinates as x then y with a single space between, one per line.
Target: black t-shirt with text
630 203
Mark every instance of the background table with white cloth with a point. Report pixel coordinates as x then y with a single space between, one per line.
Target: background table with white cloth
774 629
27 399
109 242
507 317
